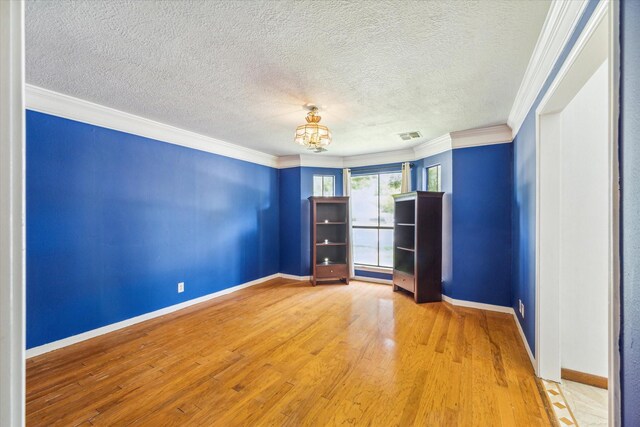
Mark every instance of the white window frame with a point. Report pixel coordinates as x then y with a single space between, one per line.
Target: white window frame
333 187
369 267
426 176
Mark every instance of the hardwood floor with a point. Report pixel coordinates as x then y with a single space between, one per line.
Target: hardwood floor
286 353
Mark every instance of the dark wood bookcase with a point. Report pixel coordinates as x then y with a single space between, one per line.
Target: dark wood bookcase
330 238
417 245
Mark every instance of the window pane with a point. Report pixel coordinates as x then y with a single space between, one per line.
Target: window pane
389 184
365 246
364 200
386 248
433 178
317 185
328 186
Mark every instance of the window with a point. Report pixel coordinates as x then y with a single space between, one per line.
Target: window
324 185
433 178
372 217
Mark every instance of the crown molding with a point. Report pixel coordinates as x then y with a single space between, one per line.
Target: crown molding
285 162
307 160
321 161
61 105
396 156
499 134
559 25
58 104
432 147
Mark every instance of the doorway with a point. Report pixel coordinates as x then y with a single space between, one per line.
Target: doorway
577 216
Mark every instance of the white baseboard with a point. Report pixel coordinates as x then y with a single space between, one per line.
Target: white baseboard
55 345
373 280
498 308
479 305
294 277
525 342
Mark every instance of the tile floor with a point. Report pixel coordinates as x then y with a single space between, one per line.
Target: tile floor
578 404
588 404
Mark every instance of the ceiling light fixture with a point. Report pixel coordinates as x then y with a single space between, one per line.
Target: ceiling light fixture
312 135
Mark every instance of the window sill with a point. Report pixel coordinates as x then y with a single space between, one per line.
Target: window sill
385 270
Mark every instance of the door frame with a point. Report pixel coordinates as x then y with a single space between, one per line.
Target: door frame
601 30
12 214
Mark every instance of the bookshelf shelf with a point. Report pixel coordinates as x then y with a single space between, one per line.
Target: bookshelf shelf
417 256
330 237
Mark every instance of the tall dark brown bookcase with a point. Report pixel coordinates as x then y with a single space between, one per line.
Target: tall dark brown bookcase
417 245
330 238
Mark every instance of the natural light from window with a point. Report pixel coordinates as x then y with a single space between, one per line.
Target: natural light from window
324 185
433 178
372 218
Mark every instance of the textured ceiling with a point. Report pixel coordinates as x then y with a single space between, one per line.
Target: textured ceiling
241 71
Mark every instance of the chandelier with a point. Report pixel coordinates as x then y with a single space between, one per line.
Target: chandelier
313 135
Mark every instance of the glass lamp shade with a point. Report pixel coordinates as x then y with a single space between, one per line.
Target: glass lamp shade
313 135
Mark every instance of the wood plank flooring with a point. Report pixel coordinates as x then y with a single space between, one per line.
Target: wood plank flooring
285 353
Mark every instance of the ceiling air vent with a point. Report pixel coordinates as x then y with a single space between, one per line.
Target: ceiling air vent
408 136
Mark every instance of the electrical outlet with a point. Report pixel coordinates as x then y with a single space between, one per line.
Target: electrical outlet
521 307
180 287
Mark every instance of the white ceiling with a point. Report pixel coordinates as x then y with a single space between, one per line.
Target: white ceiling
240 71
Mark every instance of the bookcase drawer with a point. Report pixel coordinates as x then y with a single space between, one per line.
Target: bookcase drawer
404 280
331 271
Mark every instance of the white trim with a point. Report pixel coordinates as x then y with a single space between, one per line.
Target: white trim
285 162
294 277
498 308
435 146
615 410
575 70
608 10
547 353
58 104
373 280
478 305
61 105
318 160
12 214
396 156
561 21
524 340
589 30
36 351
499 134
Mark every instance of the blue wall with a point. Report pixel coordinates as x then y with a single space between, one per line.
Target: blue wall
306 191
290 221
630 233
482 224
524 199
445 160
373 274
476 221
115 221
296 186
